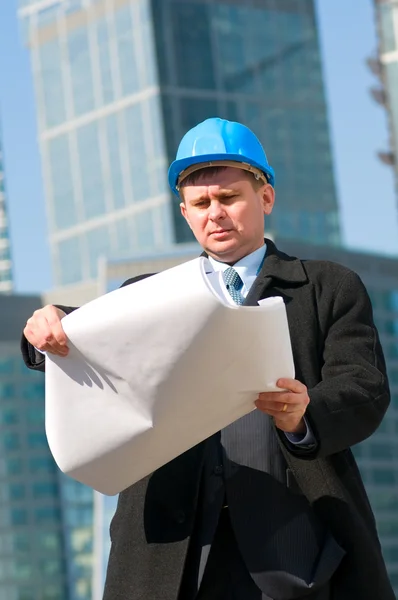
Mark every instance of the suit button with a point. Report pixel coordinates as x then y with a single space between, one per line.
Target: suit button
218 470
179 516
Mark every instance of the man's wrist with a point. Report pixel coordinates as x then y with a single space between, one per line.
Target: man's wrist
300 429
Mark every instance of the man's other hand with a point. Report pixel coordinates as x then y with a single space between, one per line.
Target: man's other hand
287 407
44 331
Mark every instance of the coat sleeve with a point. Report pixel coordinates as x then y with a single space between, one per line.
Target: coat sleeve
353 395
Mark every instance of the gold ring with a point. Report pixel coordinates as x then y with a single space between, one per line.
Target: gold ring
284 408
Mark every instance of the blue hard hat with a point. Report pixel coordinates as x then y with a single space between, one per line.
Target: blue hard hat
218 140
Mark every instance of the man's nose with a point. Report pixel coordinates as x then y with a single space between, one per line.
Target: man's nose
216 210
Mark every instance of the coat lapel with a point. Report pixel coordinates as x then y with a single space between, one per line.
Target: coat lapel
277 267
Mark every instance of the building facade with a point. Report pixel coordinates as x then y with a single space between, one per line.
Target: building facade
377 457
46 518
6 282
387 26
118 82
32 538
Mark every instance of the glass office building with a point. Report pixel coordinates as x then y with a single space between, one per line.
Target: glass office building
46 518
118 82
32 538
5 255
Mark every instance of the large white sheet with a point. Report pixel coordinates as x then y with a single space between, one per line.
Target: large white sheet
156 367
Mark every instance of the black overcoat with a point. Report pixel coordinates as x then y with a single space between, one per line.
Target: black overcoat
338 356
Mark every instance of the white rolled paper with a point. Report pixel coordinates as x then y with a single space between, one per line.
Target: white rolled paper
155 368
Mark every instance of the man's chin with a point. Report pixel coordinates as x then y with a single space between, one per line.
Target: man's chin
224 251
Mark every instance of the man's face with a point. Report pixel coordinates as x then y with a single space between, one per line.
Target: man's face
226 213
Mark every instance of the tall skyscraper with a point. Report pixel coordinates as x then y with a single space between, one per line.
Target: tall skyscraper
387 27
118 82
5 256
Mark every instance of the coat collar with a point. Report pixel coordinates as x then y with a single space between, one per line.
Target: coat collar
278 265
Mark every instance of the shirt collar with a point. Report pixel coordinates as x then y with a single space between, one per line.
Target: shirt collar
247 267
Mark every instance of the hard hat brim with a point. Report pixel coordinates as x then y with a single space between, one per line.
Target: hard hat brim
178 166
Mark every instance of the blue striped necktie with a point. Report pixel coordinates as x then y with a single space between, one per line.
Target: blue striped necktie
234 285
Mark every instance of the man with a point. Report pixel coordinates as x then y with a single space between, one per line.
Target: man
273 506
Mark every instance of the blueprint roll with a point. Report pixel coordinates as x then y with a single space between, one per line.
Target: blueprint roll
155 368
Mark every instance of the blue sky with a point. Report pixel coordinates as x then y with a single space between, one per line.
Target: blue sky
358 130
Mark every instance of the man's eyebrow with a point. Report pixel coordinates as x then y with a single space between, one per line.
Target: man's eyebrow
221 194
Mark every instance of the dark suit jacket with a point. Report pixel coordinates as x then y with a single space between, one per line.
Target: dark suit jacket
338 356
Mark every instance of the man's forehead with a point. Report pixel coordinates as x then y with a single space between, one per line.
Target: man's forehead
228 178
215 190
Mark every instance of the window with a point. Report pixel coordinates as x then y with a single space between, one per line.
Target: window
37 440
49 541
9 440
381 450
91 171
14 466
7 365
391 554
75 492
108 93
70 260
99 245
45 489
9 416
82 540
148 48
23 571
7 390
51 567
62 187
21 542
144 227
42 464
115 163
81 71
19 516
136 151
35 415
53 92
388 527
80 515
384 476
126 53
47 514
383 500
193 56
56 592
17 491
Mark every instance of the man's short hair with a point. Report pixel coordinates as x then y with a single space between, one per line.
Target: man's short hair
193 178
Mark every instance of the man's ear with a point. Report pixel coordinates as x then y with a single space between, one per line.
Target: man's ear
268 198
183 209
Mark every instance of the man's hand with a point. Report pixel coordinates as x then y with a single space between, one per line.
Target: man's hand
287 407
44 331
